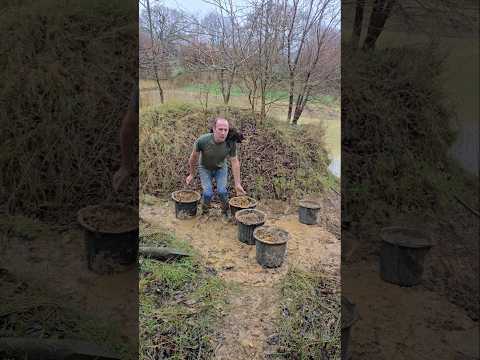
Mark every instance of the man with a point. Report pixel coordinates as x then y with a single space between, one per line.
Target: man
210 153
128 130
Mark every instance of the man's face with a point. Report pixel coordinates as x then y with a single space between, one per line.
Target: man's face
220 131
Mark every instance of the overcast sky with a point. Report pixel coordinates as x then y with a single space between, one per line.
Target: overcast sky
197 7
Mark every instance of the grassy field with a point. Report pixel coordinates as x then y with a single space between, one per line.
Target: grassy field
324 111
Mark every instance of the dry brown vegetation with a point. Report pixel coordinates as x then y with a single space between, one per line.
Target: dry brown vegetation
276 161
59 138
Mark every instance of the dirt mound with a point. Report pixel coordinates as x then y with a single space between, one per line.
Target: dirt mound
276 159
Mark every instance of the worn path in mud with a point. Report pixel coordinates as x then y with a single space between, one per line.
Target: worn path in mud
254 305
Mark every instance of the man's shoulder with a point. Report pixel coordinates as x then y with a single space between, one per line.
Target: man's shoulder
204 139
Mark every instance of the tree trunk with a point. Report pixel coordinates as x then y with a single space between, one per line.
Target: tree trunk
153 52
160 90
357 25
221 80
290 98
226 98
380 13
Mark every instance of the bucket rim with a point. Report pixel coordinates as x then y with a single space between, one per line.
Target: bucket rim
85 225
420 238
197 195
269 227
309 204
243 211
254 204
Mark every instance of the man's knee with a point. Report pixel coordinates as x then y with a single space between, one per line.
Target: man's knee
207 195
223 194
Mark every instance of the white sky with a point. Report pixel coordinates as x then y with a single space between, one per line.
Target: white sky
197 7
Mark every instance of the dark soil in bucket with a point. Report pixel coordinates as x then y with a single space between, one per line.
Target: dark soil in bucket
242 202
270 246
250 217
111 236
186 196
309 204
405 237
271 235
248 220
109 218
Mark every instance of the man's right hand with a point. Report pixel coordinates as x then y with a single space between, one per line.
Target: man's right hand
189 179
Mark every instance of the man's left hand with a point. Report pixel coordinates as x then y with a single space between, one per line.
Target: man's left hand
239 190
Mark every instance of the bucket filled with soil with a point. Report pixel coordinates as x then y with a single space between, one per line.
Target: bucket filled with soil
271 245
240 203
248 220
403 254
111 236
186 203
308 212
349 317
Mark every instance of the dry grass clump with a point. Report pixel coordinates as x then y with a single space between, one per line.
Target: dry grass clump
277 161
63 96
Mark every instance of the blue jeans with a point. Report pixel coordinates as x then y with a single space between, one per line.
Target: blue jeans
221 178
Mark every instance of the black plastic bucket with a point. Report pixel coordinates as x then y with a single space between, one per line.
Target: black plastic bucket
308 212
349 317
403 254
112 248
235 208
270 254
246 228
185 209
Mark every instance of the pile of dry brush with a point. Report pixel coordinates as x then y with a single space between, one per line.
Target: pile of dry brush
396 133
276 161
59 142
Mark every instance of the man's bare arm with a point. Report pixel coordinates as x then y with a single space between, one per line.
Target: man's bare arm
193 162
192 165
236 175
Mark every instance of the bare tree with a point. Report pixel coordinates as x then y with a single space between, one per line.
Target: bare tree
312 25
371 17
268 41
165 28
154 50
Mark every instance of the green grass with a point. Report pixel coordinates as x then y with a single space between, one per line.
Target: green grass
309 325
214 89
179 304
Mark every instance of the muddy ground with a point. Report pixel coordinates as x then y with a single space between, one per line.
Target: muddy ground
56 265
255 304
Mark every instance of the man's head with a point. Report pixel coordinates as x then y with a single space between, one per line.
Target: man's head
220 129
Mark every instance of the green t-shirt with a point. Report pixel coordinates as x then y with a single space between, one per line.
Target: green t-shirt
213 155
